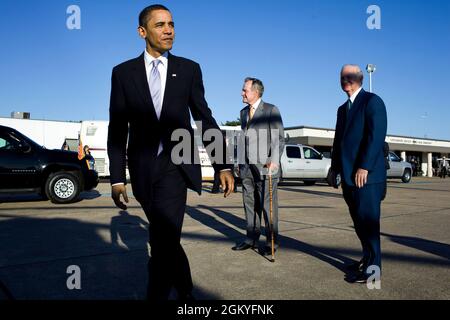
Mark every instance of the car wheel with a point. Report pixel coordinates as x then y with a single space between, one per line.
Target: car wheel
406 178
62 187
338 179
309 183
280 179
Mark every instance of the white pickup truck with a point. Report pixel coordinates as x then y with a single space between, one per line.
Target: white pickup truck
300 162
399 168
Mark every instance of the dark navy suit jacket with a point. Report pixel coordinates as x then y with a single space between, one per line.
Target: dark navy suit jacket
359 139
135 131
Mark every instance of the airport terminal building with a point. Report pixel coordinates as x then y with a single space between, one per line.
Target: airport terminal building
425 151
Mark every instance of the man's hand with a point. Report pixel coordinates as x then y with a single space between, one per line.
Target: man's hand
226 182
116 191
272 167
361 177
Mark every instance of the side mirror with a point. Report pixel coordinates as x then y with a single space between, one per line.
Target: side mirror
287 138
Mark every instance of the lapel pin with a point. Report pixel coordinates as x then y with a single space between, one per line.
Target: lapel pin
174 74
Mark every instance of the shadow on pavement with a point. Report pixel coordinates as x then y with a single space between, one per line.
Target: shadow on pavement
36 254
313 192
429 246
326 255
336 257
35 197
25 197
89 195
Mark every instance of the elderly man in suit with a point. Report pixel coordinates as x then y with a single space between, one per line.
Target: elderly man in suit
151 97
359 157
263 135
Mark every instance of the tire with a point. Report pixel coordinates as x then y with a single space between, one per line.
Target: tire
309 182
406 178
280 179
62 187
338 179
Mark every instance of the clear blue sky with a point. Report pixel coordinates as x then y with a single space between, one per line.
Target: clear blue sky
295 46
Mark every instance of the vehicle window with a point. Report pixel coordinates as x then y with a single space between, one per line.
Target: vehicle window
293 152
393 157
3 143
91 130
311 154
7 142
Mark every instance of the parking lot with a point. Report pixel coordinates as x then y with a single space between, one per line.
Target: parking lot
40 240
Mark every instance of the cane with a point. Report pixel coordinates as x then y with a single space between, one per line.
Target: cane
271 218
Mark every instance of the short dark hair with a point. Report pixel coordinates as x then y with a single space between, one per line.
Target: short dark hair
256 85
145 14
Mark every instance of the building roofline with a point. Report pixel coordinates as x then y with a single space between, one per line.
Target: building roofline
70 121
389 135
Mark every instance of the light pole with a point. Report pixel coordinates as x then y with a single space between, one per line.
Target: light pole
370 69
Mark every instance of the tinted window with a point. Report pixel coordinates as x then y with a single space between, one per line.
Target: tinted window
3 143
7 142
393 157
311 154
293 152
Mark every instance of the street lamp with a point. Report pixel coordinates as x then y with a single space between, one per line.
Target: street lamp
370 69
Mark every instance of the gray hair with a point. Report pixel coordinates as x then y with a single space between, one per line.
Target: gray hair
256 85
359 73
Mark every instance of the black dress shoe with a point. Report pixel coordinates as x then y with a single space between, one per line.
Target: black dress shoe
242 246
356 266
359 277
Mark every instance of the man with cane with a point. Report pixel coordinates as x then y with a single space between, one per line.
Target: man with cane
263 141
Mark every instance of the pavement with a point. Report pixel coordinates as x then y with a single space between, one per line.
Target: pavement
40 243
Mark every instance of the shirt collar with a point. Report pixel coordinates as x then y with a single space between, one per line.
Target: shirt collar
256 104
149 58
353 96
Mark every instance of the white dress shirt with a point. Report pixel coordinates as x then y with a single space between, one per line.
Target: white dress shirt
353 96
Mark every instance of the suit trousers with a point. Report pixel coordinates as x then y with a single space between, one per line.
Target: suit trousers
256 199
364 206
168 266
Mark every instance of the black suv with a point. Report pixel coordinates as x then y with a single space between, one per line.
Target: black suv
57 175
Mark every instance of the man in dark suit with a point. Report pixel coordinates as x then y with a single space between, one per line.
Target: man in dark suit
263 133
151 97
358 156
